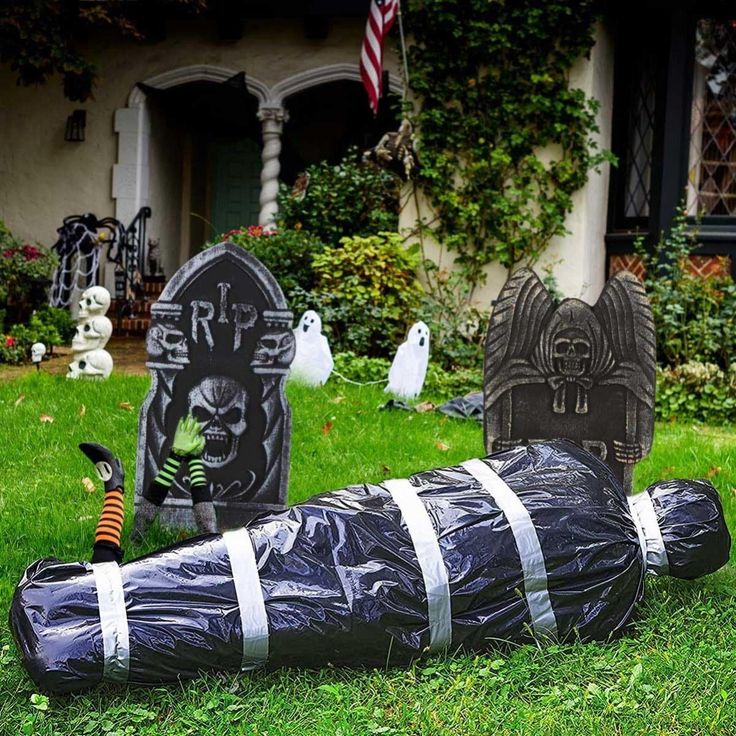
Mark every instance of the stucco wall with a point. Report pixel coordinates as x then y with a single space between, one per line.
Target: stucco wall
577 259
43 178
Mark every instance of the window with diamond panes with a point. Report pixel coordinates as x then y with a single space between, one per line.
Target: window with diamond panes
711 187
640 134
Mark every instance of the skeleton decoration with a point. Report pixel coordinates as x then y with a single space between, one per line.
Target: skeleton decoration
575 371
94 329
220 404
396 153
409 367
219 346
313 361
38 350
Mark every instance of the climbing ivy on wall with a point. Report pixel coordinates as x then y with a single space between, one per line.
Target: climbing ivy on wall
504 140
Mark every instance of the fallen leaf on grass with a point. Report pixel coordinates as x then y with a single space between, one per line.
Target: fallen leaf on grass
126 405
82 410
326 427
667 471
46 418
713 470
19 400
441 446
387 471
424 407
88 484
337 400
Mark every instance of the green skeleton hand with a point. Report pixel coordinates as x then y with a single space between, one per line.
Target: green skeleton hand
188 440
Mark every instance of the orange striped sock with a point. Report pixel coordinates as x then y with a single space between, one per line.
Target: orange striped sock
110 525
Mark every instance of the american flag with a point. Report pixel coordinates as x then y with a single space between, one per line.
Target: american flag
380 19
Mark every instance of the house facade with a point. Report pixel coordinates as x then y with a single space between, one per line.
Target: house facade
202 121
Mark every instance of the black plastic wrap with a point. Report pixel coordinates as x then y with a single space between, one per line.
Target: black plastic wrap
342 584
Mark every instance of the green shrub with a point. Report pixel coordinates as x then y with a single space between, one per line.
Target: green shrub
696 391
367 293
22 268
440 385
287 254
11 351
695 316
351 198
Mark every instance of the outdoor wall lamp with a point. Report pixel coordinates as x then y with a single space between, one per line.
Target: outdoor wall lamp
75 125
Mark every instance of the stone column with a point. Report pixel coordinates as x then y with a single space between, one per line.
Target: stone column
272 119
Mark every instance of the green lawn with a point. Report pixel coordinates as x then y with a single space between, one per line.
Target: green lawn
674 674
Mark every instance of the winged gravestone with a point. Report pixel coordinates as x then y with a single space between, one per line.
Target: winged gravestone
571 370
220 345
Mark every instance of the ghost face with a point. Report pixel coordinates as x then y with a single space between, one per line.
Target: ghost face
571 352
220 404
92 334
310 324
95 302
419 335
95 364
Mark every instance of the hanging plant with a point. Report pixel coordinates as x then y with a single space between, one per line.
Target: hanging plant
492 83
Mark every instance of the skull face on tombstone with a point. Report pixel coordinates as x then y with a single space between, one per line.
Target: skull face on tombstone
275 349
167 344
571 352
95 302
92 334
95 364
219 403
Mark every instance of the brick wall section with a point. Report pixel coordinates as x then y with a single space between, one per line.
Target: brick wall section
698 265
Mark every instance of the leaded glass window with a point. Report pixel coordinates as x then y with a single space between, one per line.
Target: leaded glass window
712 158
640 135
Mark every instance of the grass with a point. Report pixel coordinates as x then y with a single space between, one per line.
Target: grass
675 673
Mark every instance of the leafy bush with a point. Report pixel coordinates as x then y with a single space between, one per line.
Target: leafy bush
696 391
440 385
349 199
287 254
695 316
11 351
457 327
23 268
367 292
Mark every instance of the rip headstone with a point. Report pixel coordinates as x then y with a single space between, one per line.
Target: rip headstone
220 345
571 370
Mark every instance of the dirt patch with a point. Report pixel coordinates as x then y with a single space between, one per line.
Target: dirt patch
129 354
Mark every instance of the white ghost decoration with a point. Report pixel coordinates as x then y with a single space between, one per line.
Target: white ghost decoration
313 362
407 372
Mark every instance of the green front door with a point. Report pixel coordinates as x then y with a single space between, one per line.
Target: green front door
236 183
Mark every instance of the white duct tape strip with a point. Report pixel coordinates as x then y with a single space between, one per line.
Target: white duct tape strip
113 621
533 567
427 548
253 619
647 526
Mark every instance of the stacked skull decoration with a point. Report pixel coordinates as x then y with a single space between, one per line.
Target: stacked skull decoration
91 360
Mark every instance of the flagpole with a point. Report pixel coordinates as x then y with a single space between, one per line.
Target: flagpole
403 51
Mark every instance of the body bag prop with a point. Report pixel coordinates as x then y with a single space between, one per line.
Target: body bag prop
536 542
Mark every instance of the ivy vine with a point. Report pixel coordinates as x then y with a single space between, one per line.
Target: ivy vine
505 140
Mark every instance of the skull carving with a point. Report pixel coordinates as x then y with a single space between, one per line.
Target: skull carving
38 350
95 302
275 349
220 404
167 343
92 334
95 364
571 352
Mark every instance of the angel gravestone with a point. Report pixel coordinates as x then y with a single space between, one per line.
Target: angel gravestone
220 345
571 370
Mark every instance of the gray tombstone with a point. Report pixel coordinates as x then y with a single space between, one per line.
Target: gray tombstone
220 345
571 370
